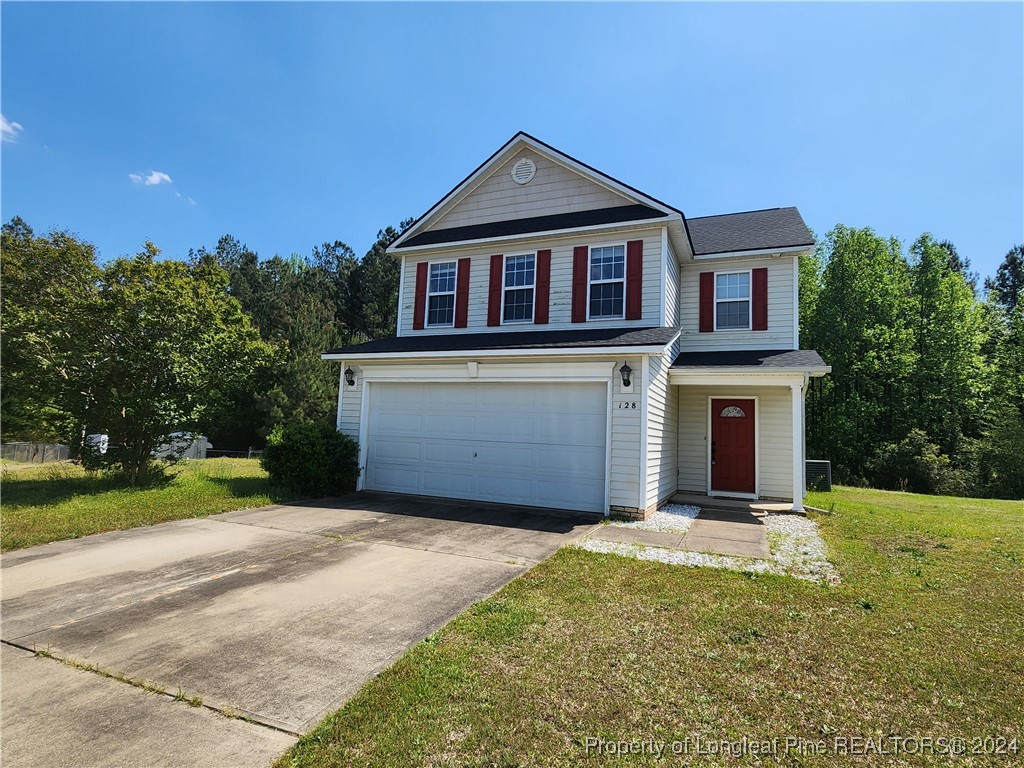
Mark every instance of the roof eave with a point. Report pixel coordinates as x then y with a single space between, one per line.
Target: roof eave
623 226
471 354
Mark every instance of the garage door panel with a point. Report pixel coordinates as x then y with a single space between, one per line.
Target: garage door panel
571 495
506 428
448 452
578 462
572 431
396 450
402 480
517 443
455 484
445 397
398 423
499 486
554 397
402 395
505 456
449 424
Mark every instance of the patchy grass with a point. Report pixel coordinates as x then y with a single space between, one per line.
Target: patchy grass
51 502
922 638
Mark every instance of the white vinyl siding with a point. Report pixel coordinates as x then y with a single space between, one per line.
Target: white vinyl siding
624 473
662 431
780 307
560 300
554 190
775 437
351 405
671 288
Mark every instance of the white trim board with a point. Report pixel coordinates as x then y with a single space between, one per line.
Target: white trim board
469 354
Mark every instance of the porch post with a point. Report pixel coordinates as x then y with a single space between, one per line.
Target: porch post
796 391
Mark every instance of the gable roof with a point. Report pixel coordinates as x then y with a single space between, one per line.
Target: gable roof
749 231
484 170
752 358
576 338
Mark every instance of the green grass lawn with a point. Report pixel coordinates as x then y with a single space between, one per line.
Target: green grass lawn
50 502
924 637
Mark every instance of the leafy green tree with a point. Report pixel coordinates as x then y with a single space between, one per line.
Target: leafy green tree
47 282
862 327
1009 280
375 300
810 270
950 328
165 344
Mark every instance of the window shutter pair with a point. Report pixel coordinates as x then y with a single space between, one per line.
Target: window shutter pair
758 301
419 309
541 288
634 281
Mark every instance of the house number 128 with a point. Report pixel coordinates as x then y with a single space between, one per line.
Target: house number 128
631 405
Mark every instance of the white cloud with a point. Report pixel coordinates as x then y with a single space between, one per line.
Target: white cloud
152 179
9 129
193 202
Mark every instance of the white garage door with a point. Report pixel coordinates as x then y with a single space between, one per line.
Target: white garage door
533 444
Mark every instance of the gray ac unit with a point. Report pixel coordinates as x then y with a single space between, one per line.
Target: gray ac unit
819 475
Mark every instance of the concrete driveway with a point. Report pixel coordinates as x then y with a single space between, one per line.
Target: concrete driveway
276 614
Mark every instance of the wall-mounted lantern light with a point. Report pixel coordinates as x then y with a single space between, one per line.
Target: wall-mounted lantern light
625 372
350 377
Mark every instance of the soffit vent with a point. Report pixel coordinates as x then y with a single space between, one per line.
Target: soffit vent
524 170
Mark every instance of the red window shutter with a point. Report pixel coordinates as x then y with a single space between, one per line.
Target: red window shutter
707 302
462 293
543 287
419 307
634 279
494 290
580 266
759 294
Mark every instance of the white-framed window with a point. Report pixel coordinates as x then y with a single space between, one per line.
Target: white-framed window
441 294
519 288
732 301
607 298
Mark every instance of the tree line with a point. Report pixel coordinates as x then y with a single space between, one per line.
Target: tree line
926 391
927 385
223 343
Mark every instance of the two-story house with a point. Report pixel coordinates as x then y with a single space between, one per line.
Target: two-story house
566 341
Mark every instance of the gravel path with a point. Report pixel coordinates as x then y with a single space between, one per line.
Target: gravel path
674 518
796 546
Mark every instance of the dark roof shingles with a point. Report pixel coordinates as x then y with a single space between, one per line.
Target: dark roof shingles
513 340
761 358
622 213
750 231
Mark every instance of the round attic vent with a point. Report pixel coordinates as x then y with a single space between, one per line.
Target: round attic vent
523 171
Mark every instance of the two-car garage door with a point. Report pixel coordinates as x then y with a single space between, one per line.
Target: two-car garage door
533 444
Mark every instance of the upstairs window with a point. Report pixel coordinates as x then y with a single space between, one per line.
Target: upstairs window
520 282
607 282
441 294
732 301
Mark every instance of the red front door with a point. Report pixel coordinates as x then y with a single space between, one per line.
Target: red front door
732 445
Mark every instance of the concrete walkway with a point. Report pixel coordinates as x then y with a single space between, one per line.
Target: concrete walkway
719 531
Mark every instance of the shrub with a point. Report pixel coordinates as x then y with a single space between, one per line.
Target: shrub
311 458
915 464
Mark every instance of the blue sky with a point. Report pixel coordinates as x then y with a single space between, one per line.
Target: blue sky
287 125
